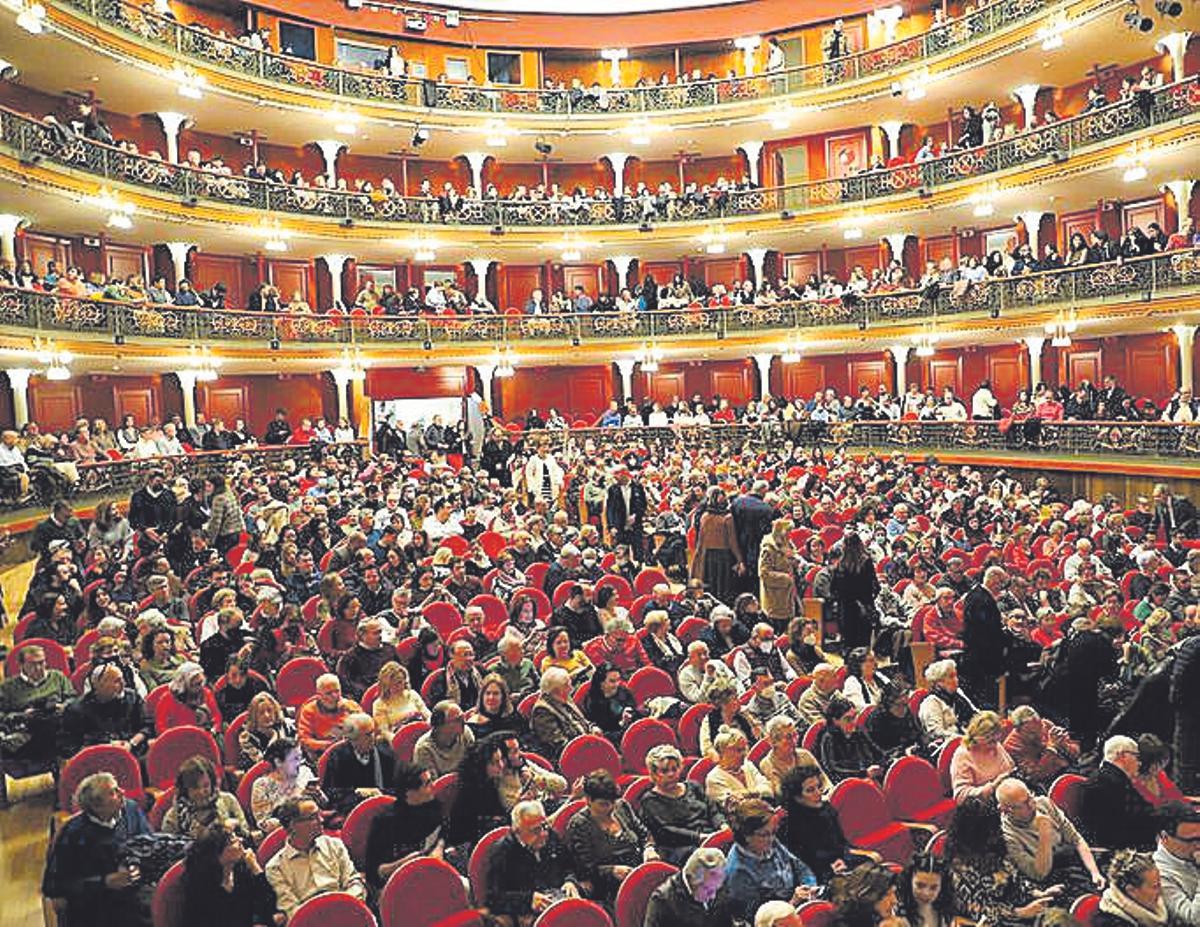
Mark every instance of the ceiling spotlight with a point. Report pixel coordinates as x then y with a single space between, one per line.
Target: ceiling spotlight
425 255
1133 19
8 70
542 147
420 136
1171 8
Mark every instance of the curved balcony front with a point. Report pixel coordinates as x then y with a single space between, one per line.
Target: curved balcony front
130 30
33 143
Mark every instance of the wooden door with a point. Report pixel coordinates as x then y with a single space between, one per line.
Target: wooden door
1142 214
1082 222
1151 370
734 385
209 269
519 282
290 277
589 391
725 270
224 402
868 373
1007 376
945 372
54 406
1083 365
799 267
41 249
934 249
124 261
802 379
663 386
584 275
137 399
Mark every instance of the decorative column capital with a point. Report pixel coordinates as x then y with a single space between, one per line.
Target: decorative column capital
18 378
900 353
1034 344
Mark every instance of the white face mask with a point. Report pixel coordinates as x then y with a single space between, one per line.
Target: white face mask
765 646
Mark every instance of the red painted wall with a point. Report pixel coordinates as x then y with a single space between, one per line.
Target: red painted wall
577 392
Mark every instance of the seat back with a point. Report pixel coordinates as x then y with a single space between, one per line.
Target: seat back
333 909
650 682
159 809
562 817
634 894
430 681
647 579
690 629
944 758
541 601
271 844
422 893
56 656
638 740
107 758
863 813
1085 908
404 741
689 728
170 749
229 740
1066 792
635 790
816 914
587 753
245 787
812 735
480 863
166 906
357 827
911 786
444 617
297 680
574 912
619 584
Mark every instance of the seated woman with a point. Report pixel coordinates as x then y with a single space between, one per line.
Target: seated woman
188 700
945 711
811 829
561 653
1134 894
430 656
891 727
200 803
980 763
802 652
786 754
409 828
843 750
760 868
677 812
865 897
289 778
926 893
478 807
726 712
556 720
265 724
863 684
662 647
734 777
223 882
495 713
986 883
1152 781
610 705
397 703
606 838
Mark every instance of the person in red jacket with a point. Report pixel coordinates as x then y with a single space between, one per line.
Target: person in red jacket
188 700
943 625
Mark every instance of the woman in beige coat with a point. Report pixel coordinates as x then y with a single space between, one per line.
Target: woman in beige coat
777 574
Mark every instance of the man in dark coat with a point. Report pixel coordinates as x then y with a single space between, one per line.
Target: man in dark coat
625 513
153 507
1185 697
693 897
985 642
359 767
531 868
1112 813
359 666
1090 657
1171 512
752 519
279 431
62 525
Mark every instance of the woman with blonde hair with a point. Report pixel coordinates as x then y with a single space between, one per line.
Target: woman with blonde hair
980 763
734 777
397 703
265 724
777 574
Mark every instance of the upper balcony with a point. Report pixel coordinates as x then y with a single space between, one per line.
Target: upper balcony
130 31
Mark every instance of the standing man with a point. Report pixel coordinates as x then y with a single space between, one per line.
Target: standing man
625 513
752 519
985 643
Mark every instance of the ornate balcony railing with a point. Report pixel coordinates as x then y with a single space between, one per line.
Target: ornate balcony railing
122 477
1146 278
33 141
205 47
1094 439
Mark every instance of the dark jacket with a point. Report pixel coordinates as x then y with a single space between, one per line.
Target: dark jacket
398 831
89 721
985 643
148 511
359 668
516 873
673 905
1112 814
751 522
252 901
344 774
1185 698
614 507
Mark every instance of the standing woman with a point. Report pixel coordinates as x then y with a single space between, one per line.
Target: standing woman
855 587
717 557
777 574
225 522
223 883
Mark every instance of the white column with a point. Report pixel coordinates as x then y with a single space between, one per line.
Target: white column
1034 345
625 367
1186 336
621 263
342 379
480 266
758 259
751 150
895 241
764 373
9 224
886 19
748 45
179 252
336 263
616 160
1181 192
18 379
1032 221
476 159
1175 45
899 354
330 149
891 130
172 123
187 383
614 57
1026 94
486 372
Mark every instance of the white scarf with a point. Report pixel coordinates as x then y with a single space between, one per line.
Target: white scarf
1116 902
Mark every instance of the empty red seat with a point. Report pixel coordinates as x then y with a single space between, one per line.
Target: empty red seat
443 617
422 893
914 793
297 680
1085 908
639 738
587 753
107 758
634 894
404 741
868 824
650 682
334 909
166 905
574 912
170 749
1066 792
480 862
816 913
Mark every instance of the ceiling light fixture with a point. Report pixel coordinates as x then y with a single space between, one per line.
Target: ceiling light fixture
350 366
1062 328
32 19
201 364
345 122
648 357
504 362
793 349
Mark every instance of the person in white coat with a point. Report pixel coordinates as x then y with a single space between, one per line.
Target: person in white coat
543 475
984 404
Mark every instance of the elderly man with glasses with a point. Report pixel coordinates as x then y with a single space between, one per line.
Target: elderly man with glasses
1112 813
531 869
311 862
1043 843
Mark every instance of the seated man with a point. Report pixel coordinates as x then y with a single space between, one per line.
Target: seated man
814 700
1043 843
31 707
359 767
462 680
530 869
441 749
760 651
409 828
521 778
1178 838
618 647
109 714
319 718
1112 813
699 672
311 862
84 869
1041 750
359 667
694 895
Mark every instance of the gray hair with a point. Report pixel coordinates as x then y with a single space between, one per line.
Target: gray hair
554 678
184 674
356 723
89 792
728 737
508 640
660 753
366 624
1023 714
777 725
1118 744
939 670
772 912
526 809
702 861
325 679
618 623
695 647
719 612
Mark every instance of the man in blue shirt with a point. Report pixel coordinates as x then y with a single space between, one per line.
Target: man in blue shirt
582 302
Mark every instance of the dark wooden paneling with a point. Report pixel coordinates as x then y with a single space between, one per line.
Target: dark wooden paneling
1007 376
799 267
138 399
1150 369
943 372
867 256
869 373
664 386
934 249
576 392
224 401
55 406
519 282
735 383
290 277
662 271
208 269
802 379
724 270
584 275
410 383
41 249
124 261
1143 213
1084 365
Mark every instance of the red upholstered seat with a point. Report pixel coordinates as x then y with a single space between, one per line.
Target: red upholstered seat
618 583
649 682
562 817
430 681
445 790
690 629
335 909
867 823
1085 908
635 790
816 913
494 612
587 753
170 749
689 728
944 758
492 543
56 656
812 735
159 809
647 579
480 862
536 573
640 737
166 906
541 601
574 912
634 894
357 827
100 758
914 793
444 617
297 680
246 786
1066 792
422 893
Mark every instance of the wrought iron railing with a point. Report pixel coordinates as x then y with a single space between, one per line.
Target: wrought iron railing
1143 278
210 49
1092 438
33 141
121 477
